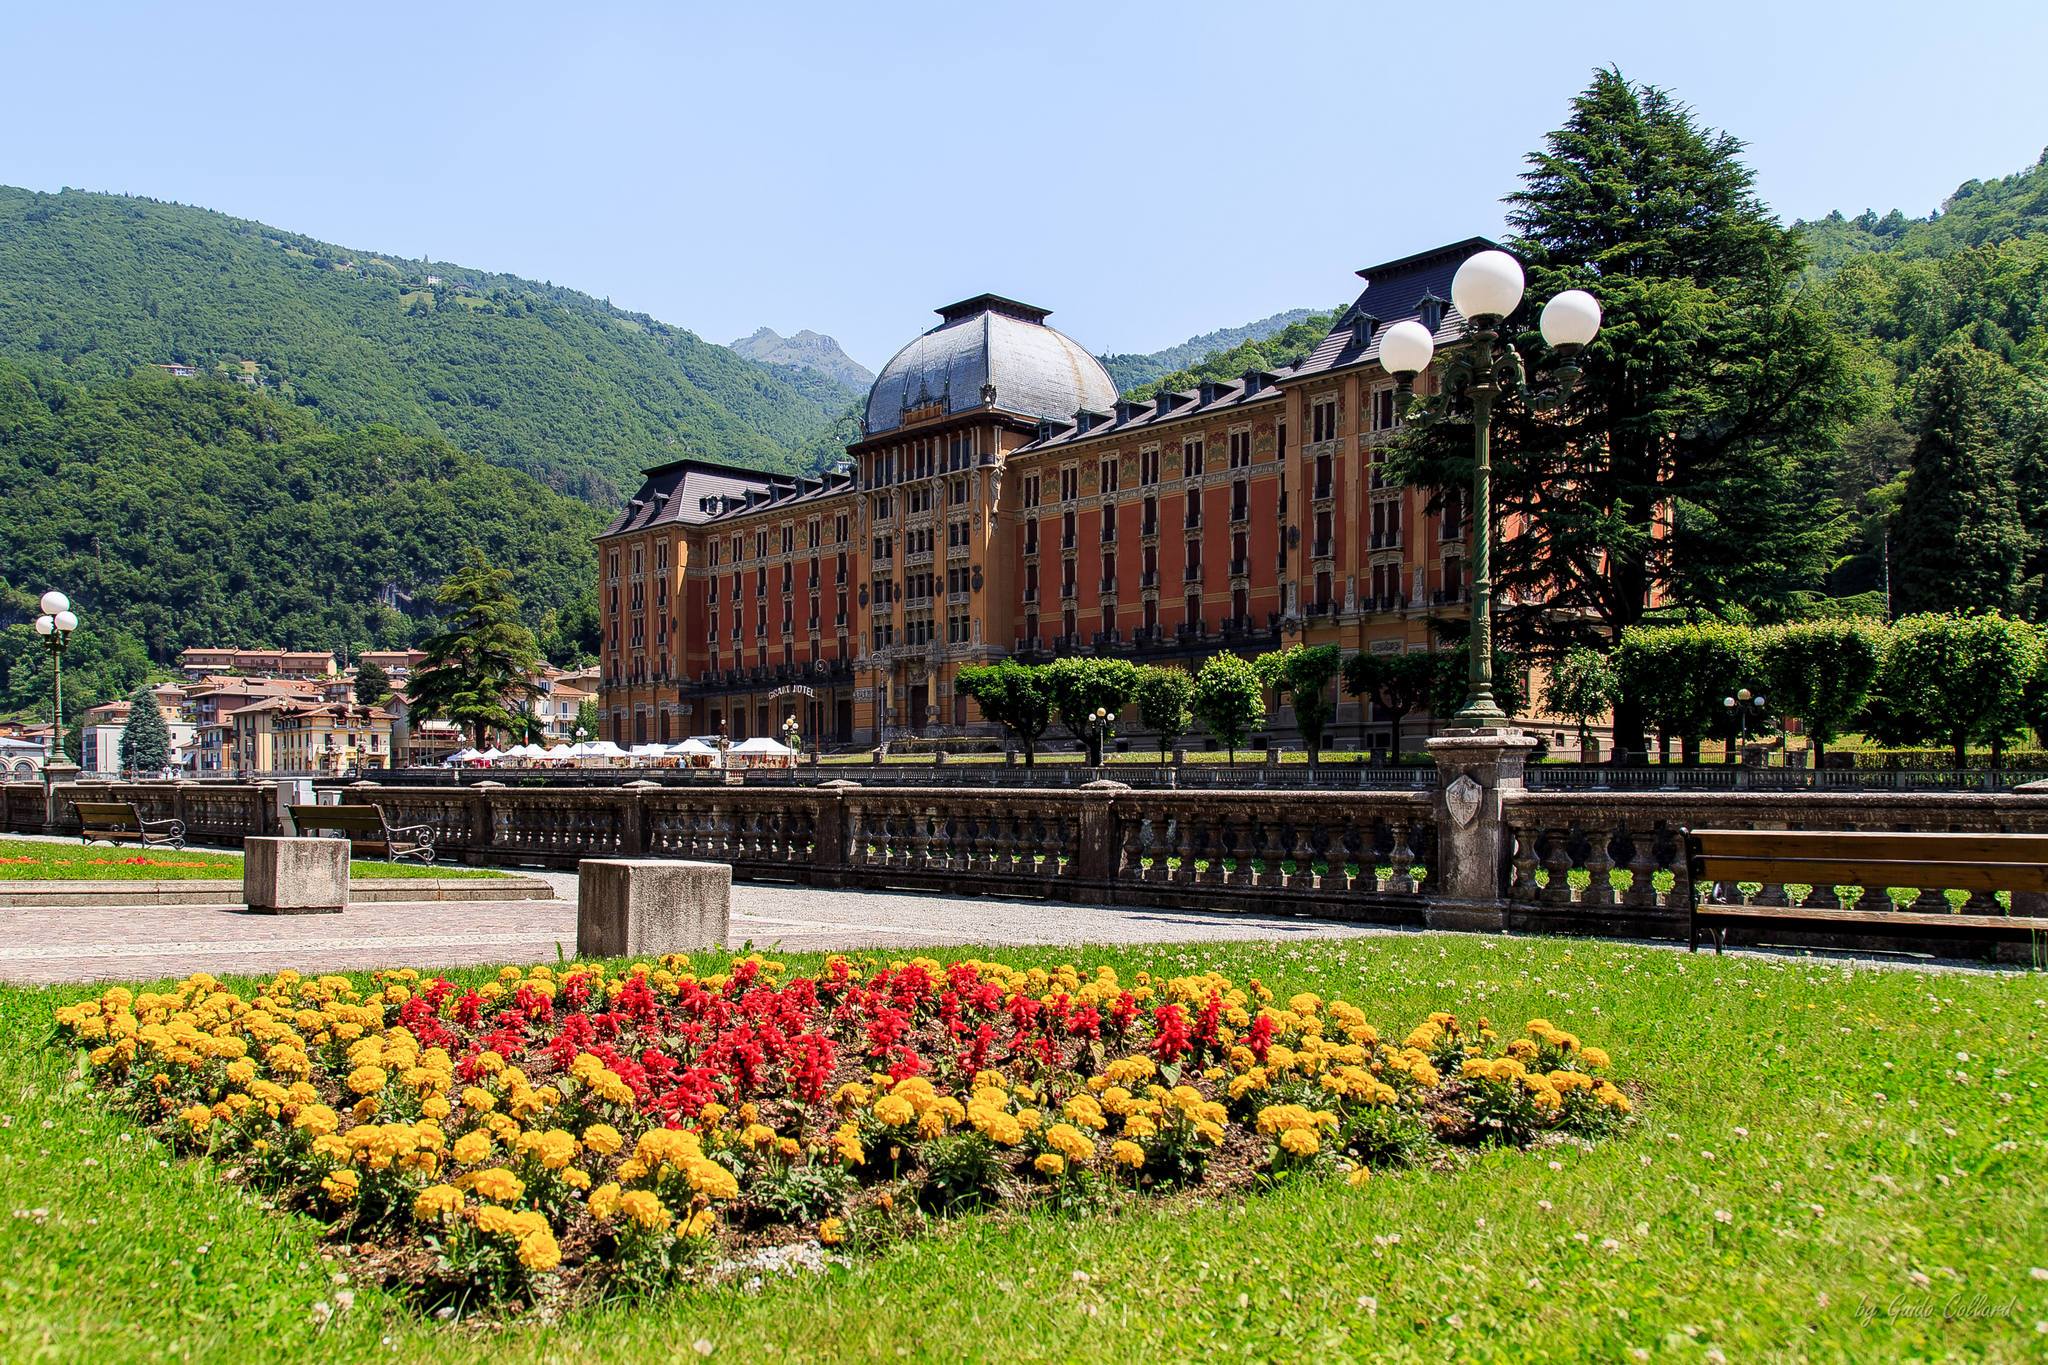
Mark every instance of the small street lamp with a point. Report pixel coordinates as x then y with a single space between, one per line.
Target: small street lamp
55 626
1741 706
1486 289
1098 731
790 735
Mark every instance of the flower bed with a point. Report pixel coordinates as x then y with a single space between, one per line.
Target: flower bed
580 1133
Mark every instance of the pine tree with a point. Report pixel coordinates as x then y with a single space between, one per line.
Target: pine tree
373 684
1706 404
1959 541
482 664
145 739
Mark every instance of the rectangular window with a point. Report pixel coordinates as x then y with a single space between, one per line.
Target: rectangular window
1148 467
1383 416
1191 457
1108 475
1070 483
1030 493
1323 420
1240 449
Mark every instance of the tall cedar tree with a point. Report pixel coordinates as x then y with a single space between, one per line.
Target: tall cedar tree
482 664
145 739
1687 461
1959 542
372 684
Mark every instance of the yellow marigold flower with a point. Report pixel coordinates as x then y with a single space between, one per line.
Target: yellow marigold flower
1301 1142
1595 1058
316 1120
435 1201
436 1107
1359 1175
832 1232
846 1145
1127 1154
1049 1164
1083 1110
712 1180
644 1209
540 1251
576 1179
699 1224
894 1110
1612 1097
498 1184
478 1099
341 1186
489 1063
1070 1142
472 1147
1139 1126
197 1117
366 1080
603 1139
604 1201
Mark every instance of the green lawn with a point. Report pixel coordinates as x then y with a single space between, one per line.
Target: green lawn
1828 1163
37 860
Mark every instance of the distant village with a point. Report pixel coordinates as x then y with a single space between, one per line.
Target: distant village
288 713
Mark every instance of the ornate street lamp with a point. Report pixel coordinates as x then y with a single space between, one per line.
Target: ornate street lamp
1743 705
1486 289
1098 731
55 626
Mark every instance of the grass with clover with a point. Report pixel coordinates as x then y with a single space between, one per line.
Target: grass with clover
47 860
1831 1162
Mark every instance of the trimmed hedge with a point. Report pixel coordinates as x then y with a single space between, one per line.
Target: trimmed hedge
1892 759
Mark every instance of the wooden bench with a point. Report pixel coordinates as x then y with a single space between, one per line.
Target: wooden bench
369 834
1718 860
120 822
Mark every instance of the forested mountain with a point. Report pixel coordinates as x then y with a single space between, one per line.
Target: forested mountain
1979 213
1967 287
1271 352
198 511
1129 371
808 350
543 379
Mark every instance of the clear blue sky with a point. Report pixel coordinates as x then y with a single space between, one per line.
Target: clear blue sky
1146 171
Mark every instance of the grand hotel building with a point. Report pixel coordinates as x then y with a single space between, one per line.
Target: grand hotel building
1003 501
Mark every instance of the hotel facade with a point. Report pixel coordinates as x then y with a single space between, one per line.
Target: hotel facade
1002 501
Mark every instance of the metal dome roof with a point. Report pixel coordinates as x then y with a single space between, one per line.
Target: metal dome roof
989 352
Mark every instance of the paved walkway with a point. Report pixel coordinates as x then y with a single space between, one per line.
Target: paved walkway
166 941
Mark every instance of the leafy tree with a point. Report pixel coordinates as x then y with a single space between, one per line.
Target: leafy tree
1959 678
1016 696
145 739
588 723
482 663
1080 686
373 684
1163 695
1302 674
101 662
1581 685
1822 672
1681 675
1960 543
1397 683
1228 700
1706 406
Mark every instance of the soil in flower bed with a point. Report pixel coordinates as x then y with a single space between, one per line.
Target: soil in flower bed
563 1134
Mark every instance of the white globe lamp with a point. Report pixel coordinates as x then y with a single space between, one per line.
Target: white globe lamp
1405 348
1487 285
1571 319
45 624
54 602
67 621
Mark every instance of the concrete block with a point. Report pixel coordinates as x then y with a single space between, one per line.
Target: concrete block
295 876
629 907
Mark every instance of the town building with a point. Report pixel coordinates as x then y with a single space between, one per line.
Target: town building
1002 500
274 663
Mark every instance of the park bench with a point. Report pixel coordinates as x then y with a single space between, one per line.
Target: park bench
120 822
1719 860
369 834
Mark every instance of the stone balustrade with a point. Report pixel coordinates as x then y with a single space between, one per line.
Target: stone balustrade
1479 851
